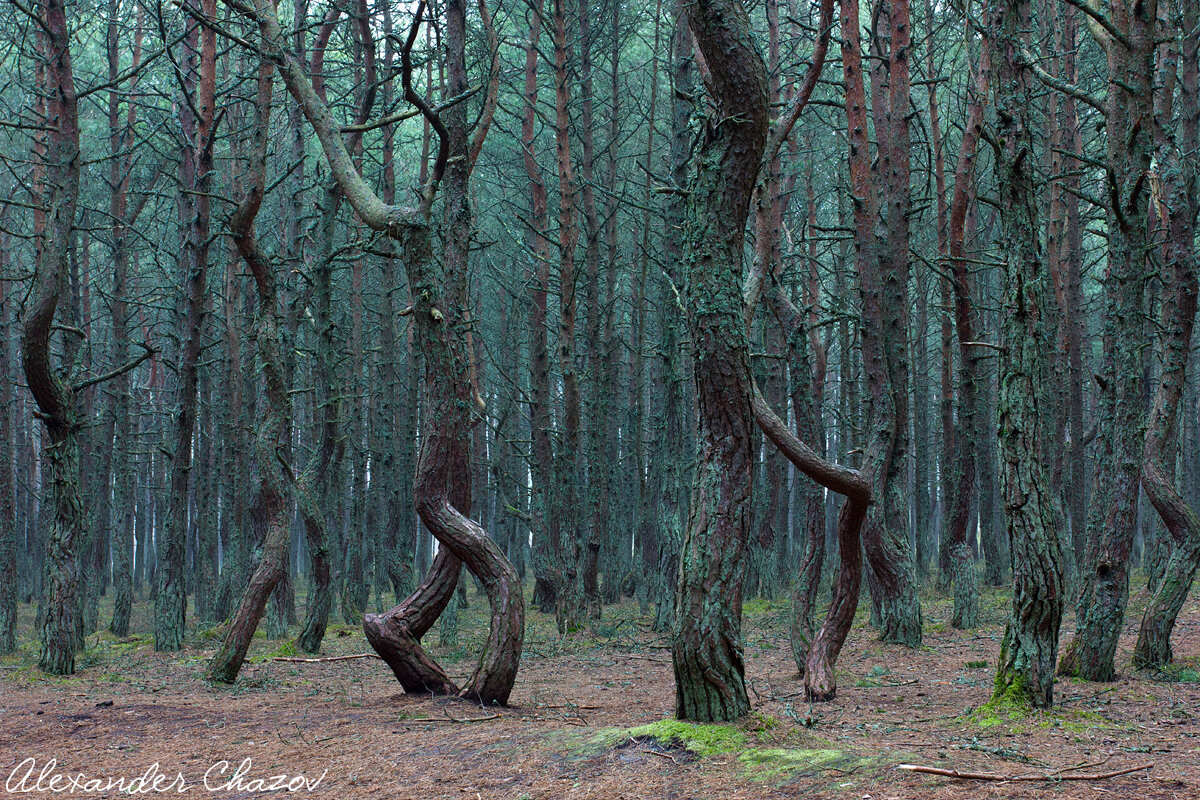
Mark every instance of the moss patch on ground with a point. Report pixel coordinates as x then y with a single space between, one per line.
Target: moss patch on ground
762 761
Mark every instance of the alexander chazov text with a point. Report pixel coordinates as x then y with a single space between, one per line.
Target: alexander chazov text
26 778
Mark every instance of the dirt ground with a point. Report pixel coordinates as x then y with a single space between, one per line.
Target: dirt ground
567 733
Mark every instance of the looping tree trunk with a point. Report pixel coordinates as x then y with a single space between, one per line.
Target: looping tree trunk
396 634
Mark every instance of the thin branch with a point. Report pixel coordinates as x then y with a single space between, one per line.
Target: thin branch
991 776
1061 85
149 352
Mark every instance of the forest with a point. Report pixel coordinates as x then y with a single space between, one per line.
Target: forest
709 398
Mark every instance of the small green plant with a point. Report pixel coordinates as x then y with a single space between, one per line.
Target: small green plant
976 664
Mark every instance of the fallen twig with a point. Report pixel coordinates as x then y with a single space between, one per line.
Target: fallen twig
1053 776
449 718
320 660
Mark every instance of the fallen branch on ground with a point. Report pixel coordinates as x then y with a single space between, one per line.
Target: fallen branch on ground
449 718
320 660
1053 776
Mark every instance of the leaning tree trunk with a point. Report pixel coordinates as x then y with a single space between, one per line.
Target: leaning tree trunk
1182 196
56 180
707 648
1025 672
272 430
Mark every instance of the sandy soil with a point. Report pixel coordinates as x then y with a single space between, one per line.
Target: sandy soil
130 708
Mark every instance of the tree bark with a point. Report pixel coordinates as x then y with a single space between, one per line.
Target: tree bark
56 181
1128 125
276 422
442 323
197 117
707 648
1025 670
1181 198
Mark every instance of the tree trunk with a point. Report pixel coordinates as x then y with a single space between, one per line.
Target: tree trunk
546 526
1181 197
707 648
9 536
56 182
197 125
1128 125
970 359
1025 671
276 421
570 607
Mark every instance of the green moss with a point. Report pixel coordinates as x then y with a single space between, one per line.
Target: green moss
760 763
285 650
763 763
702 740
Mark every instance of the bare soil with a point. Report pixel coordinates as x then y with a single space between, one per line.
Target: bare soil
566 733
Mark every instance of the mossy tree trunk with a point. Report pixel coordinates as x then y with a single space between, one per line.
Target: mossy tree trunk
961 473
442 324
276 421
1025 671
8 510
1128 114
1179 289
707 647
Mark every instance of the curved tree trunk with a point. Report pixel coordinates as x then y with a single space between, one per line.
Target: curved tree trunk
56 181
1179 287
269 333
442 333
707 648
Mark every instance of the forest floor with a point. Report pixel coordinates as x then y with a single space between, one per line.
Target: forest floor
575 726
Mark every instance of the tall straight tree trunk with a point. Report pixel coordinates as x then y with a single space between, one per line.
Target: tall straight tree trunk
570 598
197 115
399 415
891 570
119 212
1025 671
1128 112
594 520
970 361
707 648
9 535
1074 319
56 182
671 494
546 527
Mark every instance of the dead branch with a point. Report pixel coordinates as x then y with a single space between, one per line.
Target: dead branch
327 658
1052 776
449 718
